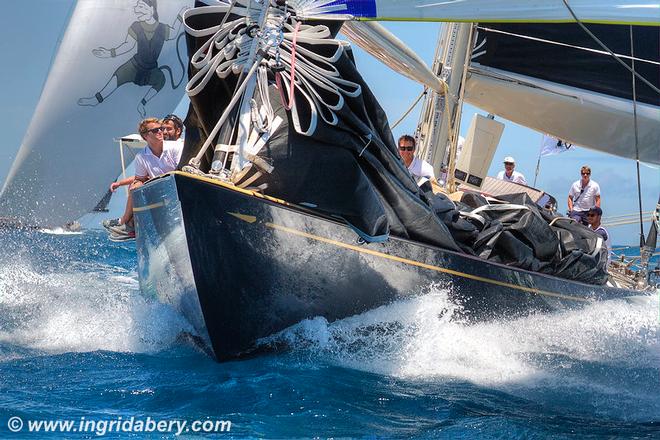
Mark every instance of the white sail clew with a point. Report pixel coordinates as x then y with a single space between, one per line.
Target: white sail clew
115 50
642 12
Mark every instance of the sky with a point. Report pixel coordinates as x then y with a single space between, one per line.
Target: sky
30 41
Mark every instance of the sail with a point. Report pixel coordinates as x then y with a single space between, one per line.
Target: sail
555 11
118 61
556 79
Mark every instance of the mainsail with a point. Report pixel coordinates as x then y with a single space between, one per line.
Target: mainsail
118 61
557 79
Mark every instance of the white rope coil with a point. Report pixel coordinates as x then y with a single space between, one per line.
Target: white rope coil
317 83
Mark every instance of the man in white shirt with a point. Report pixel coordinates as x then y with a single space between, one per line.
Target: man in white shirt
157 158
509 174
172 127
421 170
583 195
172 133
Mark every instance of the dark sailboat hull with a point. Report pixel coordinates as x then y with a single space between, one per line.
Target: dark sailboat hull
241 266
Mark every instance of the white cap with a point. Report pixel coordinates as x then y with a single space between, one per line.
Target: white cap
509 159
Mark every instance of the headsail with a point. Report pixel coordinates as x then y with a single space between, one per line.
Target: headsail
118 60
555 11
556 79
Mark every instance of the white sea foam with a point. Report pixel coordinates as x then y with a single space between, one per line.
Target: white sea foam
591 350
82 311
59 231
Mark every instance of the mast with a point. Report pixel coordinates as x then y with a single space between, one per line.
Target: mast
437 120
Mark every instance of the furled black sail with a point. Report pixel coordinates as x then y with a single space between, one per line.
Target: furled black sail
351 171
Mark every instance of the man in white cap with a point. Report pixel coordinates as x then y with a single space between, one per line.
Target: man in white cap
509 174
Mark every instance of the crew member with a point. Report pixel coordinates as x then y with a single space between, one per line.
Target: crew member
583 195
509 174
172 128
152 161
421 170
593 218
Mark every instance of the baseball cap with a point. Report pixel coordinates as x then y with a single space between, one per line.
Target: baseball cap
509 159
596 210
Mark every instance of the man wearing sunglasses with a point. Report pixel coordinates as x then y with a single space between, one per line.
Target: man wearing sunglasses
173 127
421 170
583 195
509 174
152 161
172 130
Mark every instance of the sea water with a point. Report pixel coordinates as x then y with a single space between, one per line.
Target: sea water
79 342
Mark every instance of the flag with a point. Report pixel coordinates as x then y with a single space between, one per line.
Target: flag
551 145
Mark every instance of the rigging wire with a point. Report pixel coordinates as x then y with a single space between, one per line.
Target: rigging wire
611 224
630 216
639 181
412 106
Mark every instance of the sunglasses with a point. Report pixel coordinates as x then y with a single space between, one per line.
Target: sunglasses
407 148
175 119
586 174
153 130
591 215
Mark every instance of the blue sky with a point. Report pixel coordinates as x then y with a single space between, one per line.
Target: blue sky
30 41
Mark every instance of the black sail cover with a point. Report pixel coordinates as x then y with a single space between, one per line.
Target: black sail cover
353 171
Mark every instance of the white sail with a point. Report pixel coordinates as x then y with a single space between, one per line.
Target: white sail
596 121
118 61
549 11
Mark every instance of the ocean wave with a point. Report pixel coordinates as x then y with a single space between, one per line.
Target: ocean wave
82 310
606 353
